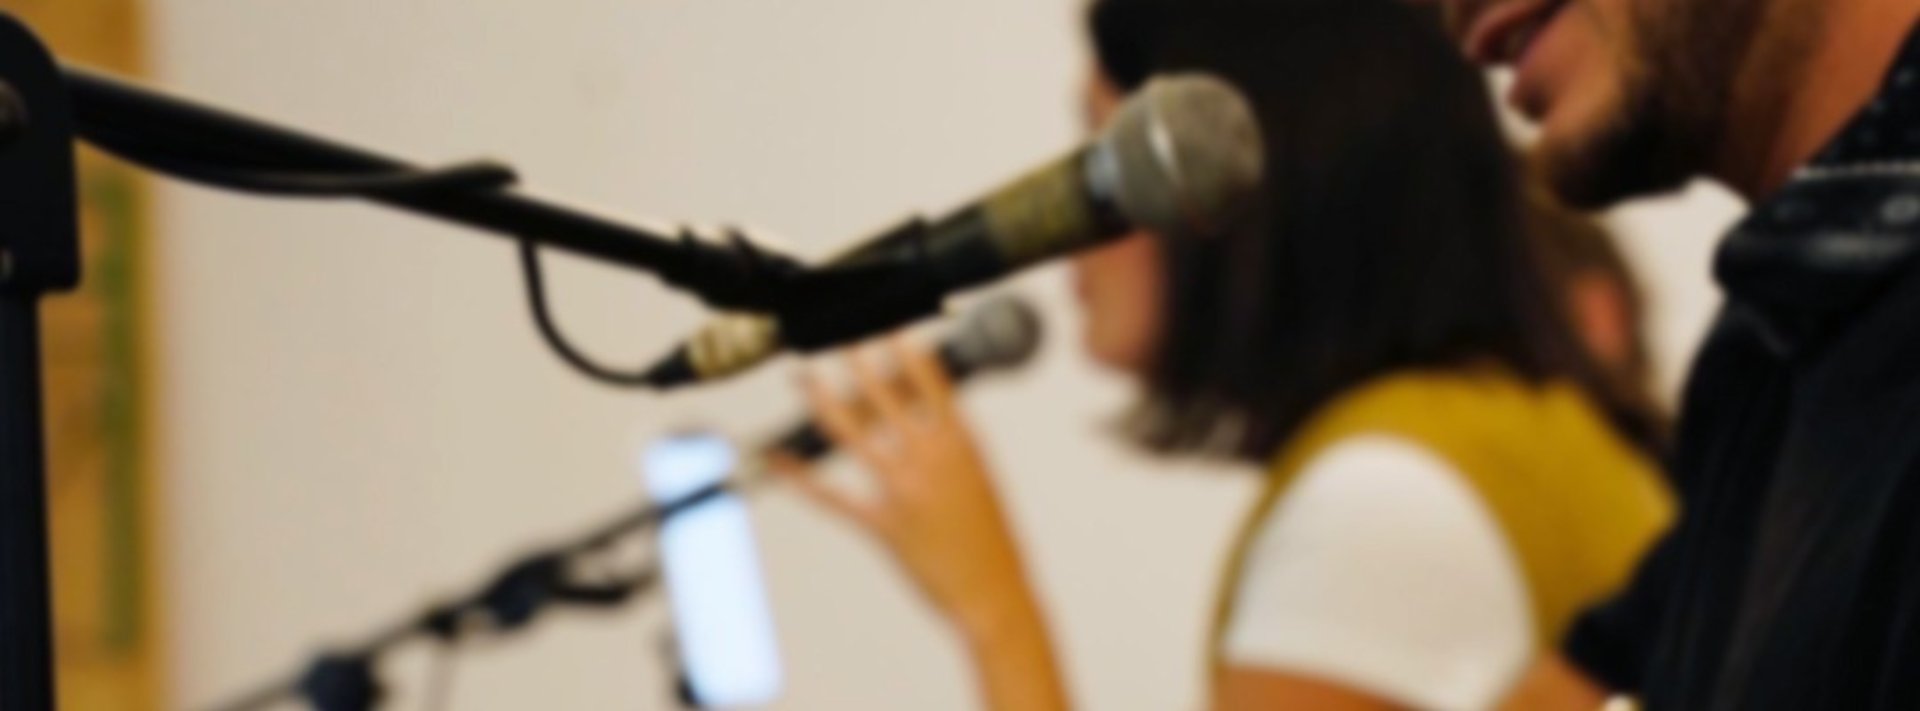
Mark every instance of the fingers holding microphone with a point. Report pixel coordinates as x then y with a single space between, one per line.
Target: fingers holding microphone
901 403
933 505
896 417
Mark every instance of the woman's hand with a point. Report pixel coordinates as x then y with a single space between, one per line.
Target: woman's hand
934 505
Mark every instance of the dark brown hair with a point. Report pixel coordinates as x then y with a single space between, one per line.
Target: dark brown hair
1390 235
1571 246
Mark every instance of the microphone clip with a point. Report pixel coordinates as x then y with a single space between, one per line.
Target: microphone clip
858 298
735 274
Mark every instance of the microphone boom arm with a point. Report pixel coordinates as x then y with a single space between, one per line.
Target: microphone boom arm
199 143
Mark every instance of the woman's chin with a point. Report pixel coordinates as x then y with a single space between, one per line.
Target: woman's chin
1110 356
1091 345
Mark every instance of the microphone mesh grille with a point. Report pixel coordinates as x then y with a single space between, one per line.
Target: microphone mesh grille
1189 153
1003 332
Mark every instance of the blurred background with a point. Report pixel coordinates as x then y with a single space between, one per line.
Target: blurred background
282 424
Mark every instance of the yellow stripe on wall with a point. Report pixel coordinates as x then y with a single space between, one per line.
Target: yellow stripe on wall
101 485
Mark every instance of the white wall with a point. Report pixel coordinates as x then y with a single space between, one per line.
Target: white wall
1670 241
358 415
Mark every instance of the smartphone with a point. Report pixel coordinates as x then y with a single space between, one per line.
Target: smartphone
723 624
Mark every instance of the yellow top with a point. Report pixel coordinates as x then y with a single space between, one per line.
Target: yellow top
1577 504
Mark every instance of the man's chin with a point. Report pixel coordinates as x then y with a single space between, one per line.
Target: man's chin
1603 168
1574 178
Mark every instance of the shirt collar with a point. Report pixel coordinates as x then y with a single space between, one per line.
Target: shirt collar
1843 227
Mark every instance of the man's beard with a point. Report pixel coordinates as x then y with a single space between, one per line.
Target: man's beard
1683 62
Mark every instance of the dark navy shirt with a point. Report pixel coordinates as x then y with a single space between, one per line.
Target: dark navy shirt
1793 578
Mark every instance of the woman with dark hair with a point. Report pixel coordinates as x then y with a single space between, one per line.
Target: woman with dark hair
1450 478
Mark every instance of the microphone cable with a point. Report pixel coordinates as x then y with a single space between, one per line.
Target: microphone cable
535 280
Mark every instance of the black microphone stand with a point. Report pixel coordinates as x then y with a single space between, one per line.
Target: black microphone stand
347 679
223 150
202 144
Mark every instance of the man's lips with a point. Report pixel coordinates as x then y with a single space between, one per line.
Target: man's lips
1501 34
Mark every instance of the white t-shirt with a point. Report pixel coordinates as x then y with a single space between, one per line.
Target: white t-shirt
1381 569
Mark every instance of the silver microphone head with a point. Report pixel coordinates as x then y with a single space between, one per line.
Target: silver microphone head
1001 333
1183 156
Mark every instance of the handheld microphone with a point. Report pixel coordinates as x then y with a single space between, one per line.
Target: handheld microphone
1000 334
1181 158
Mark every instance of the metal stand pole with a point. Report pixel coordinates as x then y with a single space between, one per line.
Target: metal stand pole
26 670
38 255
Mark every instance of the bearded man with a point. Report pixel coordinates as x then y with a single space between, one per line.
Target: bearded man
1793 581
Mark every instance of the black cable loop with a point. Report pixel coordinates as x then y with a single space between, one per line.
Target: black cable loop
550 331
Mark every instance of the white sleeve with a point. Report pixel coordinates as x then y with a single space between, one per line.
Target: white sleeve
1382 570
